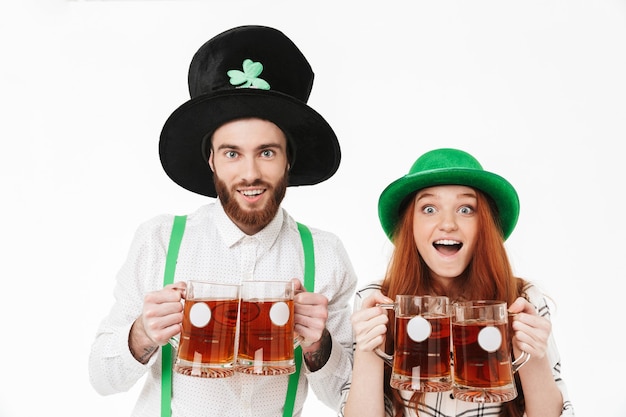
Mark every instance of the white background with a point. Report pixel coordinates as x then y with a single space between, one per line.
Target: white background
534 89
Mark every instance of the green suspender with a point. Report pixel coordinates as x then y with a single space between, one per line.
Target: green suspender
166 351
309 284
166 354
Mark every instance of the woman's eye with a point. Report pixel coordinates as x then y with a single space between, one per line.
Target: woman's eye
428 209
466 210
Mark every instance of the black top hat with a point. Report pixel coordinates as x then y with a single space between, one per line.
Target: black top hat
248 71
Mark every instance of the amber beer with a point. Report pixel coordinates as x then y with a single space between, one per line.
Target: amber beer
265 346
475 367
206 345
421 357
431 357
481 345
213 346
266 333
215 342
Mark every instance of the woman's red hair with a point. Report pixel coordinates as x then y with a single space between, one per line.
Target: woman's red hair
489 276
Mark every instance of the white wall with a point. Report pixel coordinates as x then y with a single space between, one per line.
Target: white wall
535 90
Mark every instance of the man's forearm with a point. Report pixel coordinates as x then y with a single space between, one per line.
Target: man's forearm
140 345
318 353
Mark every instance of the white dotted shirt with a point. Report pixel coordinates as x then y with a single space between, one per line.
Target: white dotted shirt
214 249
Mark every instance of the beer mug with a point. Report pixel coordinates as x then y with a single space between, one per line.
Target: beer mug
481 340
206 347
421 358
266 334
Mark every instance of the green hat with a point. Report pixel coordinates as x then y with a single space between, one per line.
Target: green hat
448 167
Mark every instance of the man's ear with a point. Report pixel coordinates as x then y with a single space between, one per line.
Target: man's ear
211 160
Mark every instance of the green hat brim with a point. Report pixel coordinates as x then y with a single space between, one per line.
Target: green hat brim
392 199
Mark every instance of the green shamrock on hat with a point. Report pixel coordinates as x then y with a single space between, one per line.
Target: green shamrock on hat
249 77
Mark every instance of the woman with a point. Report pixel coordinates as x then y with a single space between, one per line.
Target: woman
448 219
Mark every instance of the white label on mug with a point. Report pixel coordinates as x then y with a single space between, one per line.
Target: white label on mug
490 339
418 329
279 313
200 314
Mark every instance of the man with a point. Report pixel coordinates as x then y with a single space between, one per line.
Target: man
244 137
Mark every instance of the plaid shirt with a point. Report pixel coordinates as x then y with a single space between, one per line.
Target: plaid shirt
443 404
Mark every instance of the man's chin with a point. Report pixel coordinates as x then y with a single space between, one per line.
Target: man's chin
251 214
251 210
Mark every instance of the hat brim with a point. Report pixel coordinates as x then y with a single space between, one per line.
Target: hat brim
317 151
392 199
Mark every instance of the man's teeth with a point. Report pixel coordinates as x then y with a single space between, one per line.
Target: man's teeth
250 193
447 242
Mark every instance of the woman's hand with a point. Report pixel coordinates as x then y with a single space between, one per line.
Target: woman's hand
370 323
530 331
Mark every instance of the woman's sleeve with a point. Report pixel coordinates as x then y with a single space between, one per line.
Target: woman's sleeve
538 299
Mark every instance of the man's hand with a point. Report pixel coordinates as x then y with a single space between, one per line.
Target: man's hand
311 313
161 318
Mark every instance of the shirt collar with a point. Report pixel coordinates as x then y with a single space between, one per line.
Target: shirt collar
232 234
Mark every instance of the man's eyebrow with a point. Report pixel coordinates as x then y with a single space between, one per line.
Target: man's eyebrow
263 146
269 145
227 146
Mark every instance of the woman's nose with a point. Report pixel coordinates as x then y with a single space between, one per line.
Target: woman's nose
448 222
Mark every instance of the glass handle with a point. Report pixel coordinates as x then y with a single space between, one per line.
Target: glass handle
174 342
383 355
521 361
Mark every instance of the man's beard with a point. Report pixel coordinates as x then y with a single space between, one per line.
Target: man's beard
256 217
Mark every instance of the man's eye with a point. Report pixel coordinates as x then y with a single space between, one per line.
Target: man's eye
267 153
230 154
